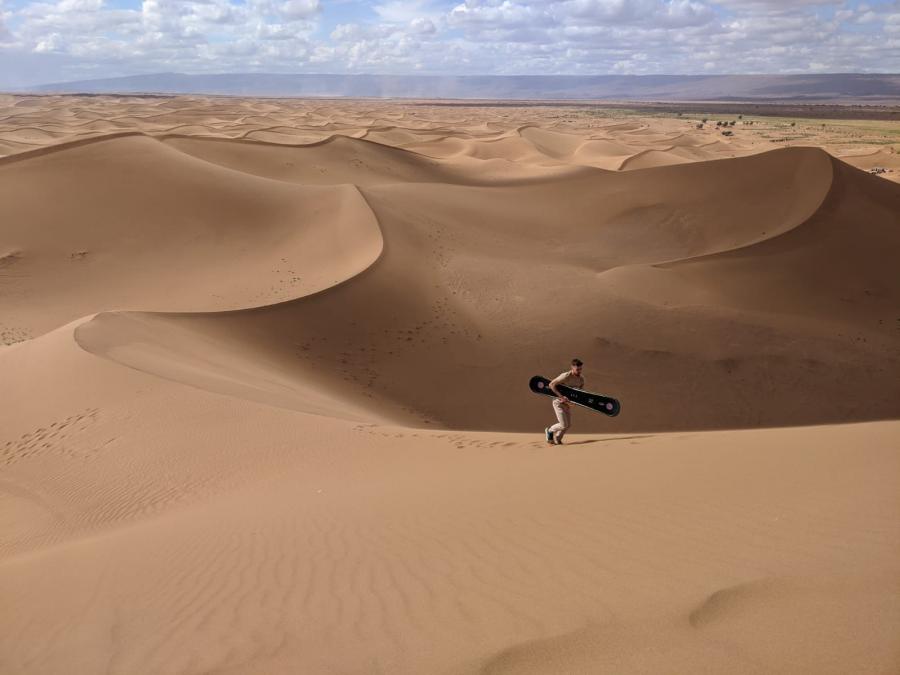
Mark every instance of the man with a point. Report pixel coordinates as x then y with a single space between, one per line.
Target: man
561 405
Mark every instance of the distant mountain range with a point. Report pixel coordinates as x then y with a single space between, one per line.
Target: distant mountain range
825 88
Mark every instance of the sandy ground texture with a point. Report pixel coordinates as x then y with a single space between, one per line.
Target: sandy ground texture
265 405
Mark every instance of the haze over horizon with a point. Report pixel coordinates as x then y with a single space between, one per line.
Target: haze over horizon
71 40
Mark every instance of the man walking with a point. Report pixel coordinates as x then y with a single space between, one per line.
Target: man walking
561 405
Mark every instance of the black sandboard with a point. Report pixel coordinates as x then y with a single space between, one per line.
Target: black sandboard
598 402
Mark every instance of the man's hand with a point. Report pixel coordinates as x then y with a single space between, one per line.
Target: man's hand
559 397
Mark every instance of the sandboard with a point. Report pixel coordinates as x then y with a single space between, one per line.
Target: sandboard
598 402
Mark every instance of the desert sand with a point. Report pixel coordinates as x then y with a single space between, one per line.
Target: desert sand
265 406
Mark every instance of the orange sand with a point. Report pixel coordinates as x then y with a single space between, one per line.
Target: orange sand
266 409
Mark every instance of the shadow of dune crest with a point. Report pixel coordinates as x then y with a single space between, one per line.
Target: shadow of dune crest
452 289
730 600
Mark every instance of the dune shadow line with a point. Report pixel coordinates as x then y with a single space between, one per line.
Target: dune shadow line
607 440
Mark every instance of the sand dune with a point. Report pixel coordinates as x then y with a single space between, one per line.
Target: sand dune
375 547
265 409
458 273
543 136
838 264
166 231
339 159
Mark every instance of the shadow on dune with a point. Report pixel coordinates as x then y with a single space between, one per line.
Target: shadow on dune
722 634
754 291
748 292
609 439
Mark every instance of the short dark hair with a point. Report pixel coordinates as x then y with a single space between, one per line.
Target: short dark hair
577 362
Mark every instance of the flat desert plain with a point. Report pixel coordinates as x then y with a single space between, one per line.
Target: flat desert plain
265 404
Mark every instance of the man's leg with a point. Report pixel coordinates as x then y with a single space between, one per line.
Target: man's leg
566 422
562 414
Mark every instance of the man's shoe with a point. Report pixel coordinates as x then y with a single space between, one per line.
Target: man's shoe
550 439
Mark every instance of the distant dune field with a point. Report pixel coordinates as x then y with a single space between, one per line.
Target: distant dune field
265 410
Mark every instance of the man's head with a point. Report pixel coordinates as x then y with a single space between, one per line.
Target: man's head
577 366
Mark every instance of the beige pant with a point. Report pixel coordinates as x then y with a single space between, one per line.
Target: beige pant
565 419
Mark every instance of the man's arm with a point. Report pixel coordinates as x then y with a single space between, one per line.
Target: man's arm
555 381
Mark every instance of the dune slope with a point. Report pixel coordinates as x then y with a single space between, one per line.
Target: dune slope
153 527
131 223
466 274
264 406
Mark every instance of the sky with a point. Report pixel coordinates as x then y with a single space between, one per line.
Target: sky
64 40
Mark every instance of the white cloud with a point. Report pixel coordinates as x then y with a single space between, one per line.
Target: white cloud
404 11
299 9
505 15
51 43
436 36
892 23
422 26
5 34
79 5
